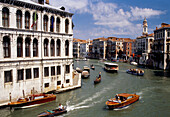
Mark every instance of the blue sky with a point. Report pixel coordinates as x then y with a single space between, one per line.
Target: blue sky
118 18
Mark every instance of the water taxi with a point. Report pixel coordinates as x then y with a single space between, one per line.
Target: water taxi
32 100
85 74
52 113
111 67
86 68
122 100
137 72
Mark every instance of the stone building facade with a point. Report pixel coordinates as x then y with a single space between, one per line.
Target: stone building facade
36 42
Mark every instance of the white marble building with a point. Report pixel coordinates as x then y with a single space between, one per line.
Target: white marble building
38 57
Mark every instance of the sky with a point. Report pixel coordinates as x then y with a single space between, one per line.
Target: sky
114 18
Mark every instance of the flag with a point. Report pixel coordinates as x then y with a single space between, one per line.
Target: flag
35 20
52 22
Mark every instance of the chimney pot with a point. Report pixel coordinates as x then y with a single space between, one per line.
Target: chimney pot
47 2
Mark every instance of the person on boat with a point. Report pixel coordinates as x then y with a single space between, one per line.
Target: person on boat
117 98
99 75
60 107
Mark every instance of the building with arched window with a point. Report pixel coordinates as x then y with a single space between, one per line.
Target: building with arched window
35 48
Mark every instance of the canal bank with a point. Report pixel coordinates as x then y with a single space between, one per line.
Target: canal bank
89 100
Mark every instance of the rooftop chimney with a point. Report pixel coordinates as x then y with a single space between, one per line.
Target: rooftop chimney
62 8
47 2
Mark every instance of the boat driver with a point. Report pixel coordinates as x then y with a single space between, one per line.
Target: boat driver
60 107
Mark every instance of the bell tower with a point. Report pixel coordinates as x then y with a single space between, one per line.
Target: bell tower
145 27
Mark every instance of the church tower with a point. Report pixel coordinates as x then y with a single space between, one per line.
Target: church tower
145 27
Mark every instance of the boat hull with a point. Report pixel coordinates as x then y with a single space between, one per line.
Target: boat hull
97 81
134 73
110 70
56 113
32 103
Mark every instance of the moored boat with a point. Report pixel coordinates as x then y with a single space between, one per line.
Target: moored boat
134 63
98 80
122 100
85 74
92 67
78 70
137 72
111 67
49 113
86 68
32 100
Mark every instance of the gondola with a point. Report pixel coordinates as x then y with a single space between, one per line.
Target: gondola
49 113
98 80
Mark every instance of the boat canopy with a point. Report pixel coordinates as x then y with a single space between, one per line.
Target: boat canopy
125 95
110 64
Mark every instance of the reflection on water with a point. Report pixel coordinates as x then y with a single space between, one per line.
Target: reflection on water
89 101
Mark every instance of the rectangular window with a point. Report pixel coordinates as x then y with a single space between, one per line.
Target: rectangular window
8 76
20 74
53 71
58 70
36 72
46 85
28 73
58 82
67 69
68 81
46 71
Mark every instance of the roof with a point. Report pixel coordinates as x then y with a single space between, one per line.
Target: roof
147 35
101 38
120 39
163 25
106 63
79 40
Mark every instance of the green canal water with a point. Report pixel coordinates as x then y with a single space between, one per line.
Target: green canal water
89 100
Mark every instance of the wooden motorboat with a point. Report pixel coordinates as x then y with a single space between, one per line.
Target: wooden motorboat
122 100
134 63
32 100
85 74
78 70
92 67
137 72
86 68
98 80
111 67
49 113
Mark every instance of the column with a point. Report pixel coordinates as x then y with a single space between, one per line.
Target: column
49 50
31 48
23 19
24 46
165 56
55 47
12 17
49 22
55 19
1 15
31 19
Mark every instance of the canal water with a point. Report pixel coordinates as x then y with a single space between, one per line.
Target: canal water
89 100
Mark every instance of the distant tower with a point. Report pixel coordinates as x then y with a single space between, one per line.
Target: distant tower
145 27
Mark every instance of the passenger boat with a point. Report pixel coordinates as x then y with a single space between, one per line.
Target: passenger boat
32 100
49 113
78 70
122 100
85 74
98 80
137 72
111 67
86 68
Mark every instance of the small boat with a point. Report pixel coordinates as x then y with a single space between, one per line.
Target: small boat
122 100
111 67
98 80
92 67
85 74
32 100
134 63
86 68
49 113
78 70
137 72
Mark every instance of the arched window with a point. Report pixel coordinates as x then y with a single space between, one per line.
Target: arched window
67 48
66 26
35 21
52 45
46 47
19 18
35 48
52 24
58 24
27 47
19 47
5 17
45 23
6 46
27 20
58 47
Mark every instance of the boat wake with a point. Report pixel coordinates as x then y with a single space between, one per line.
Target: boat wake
118 109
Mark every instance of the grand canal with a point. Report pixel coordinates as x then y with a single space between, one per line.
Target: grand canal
89 100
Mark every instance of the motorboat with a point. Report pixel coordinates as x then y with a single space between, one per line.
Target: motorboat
98 80
78 70
86 68
85 74
134 63
92 67
52 113
111 67
122 100
137 72
32 100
